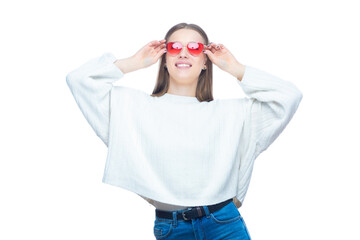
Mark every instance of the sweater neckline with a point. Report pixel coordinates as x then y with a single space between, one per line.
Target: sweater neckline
179 98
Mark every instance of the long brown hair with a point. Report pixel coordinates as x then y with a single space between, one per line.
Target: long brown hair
205 83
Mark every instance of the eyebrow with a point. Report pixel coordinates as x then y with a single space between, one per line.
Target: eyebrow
187 42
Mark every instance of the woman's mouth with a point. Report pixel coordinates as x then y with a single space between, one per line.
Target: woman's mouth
183 66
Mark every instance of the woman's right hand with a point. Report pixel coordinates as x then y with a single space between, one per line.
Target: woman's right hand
150 53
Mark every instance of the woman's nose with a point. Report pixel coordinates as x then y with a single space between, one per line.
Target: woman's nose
184 52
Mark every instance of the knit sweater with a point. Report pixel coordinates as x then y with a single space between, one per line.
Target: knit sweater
175 149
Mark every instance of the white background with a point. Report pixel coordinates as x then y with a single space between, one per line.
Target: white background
304 186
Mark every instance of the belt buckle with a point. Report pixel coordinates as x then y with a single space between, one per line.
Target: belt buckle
183 214
189 210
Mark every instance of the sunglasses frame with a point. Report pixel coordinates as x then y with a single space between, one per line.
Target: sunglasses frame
187 46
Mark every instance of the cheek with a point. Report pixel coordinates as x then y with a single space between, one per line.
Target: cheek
199 63
170 61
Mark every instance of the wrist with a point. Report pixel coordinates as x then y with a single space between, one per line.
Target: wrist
238 70
127 65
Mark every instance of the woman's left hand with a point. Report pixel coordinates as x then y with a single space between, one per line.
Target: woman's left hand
222 57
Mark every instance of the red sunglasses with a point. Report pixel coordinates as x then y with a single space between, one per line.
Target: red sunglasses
194 48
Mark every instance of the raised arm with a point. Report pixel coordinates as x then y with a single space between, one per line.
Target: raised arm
271 104
272 101
90 84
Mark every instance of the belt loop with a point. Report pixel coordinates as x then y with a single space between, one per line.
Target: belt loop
174 218
207 212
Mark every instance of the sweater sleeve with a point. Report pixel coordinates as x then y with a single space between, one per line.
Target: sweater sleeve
91 86
271 104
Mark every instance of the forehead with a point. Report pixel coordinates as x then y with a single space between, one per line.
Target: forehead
186 35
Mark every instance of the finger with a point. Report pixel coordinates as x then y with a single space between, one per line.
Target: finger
162 42
210 55
208 46
161 46
158 47
217 47
214 47
160 53
222 47
155 43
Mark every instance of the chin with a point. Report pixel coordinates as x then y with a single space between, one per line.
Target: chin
185 79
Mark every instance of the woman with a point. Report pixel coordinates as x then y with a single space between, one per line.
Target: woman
187 154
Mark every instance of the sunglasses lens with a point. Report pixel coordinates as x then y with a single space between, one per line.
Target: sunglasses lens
195 48
173 48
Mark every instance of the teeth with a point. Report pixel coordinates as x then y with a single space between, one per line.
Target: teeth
183 65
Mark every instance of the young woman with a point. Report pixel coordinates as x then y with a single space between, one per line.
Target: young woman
187 154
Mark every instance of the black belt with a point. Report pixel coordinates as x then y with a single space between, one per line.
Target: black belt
193 212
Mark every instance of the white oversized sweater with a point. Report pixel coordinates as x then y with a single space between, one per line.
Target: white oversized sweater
174 149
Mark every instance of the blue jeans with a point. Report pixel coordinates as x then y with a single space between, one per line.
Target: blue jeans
226 223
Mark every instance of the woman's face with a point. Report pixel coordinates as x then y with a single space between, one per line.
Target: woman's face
187 76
